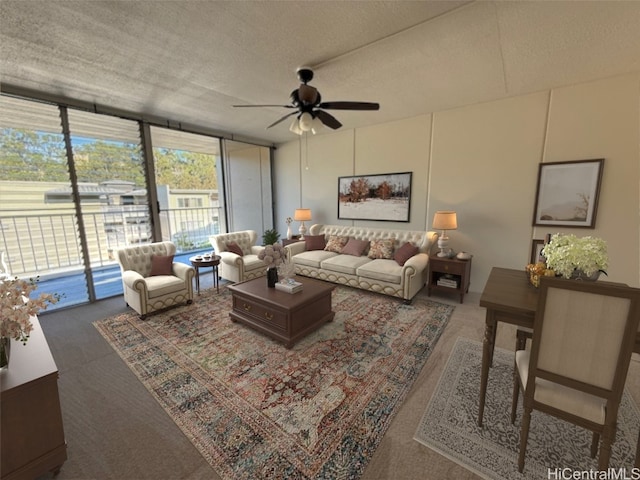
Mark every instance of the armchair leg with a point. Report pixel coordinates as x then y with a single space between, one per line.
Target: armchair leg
189 302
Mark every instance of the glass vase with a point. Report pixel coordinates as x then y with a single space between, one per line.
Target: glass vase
272 277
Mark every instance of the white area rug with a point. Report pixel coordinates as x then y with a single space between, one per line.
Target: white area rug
449 424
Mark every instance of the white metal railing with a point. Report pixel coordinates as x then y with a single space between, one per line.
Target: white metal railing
37 243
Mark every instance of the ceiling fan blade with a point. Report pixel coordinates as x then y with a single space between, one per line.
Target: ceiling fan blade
350 105
282 119
328 119
282 106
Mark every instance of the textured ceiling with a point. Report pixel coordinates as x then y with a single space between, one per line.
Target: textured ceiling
190 61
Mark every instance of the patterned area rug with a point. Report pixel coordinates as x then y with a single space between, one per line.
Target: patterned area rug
449 424
256 410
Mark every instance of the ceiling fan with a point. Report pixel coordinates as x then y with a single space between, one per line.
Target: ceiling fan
310 109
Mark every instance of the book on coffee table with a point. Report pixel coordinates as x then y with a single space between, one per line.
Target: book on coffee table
291 287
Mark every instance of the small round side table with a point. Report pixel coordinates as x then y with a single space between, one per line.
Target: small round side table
197 263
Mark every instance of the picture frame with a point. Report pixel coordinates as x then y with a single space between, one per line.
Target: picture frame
536 251
567 193
380 197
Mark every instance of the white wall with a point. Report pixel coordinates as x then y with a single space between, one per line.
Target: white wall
482 161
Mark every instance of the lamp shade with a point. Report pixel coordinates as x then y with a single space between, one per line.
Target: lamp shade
302 215
445 220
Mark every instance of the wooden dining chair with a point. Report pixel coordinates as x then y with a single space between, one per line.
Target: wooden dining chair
583 337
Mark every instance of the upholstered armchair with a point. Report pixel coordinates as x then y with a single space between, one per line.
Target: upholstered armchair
238 255
151 280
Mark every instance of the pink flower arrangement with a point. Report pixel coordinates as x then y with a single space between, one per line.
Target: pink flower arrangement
16 308
273 255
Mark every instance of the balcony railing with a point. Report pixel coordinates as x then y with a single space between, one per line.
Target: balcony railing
47 242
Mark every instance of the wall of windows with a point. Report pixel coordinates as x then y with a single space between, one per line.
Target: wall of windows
76 185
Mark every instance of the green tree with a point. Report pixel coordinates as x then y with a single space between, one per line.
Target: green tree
29 155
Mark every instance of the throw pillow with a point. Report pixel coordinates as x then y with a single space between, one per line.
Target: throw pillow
314 242
336 243
381 248
355 247
233 247
161 265
405 252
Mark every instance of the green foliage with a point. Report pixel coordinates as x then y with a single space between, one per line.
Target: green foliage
271 236
29 155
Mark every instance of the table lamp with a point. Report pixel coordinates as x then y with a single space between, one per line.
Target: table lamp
302 215
444 220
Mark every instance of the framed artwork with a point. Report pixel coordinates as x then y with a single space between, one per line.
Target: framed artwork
384 197
567 193
536 251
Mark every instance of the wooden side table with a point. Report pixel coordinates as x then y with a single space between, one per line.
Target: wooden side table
449 275
197 263
293 239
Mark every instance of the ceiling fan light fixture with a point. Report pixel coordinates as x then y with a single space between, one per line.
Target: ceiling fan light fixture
306 121
295 127
316 125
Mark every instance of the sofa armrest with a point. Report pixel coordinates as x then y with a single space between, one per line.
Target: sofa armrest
256 249
230 258
418 262
134 280
183 271
295 248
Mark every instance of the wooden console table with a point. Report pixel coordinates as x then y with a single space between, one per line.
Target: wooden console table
32 433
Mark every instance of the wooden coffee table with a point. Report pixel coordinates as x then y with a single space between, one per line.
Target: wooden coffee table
286 317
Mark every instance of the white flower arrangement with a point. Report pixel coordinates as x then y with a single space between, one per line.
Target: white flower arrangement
273 255
566 253
16 308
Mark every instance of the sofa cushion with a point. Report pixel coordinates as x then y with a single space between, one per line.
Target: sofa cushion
405 252
161 265
355 247
233 247
336 243
382 270
160 285
314 242
381 248
344 263
312 258
252 262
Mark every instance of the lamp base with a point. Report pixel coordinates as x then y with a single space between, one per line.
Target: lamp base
302 230
443 245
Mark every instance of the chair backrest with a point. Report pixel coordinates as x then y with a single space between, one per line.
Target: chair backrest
244 238
584 334
138 258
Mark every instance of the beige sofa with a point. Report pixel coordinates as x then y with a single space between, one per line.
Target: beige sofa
383 275
235 267
147 288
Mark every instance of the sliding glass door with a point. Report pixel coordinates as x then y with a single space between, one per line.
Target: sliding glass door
38 221
186 177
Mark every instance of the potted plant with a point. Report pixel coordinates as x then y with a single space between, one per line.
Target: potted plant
574 257
271 236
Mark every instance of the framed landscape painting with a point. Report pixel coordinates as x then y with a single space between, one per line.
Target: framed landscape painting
384 197
567 193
